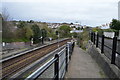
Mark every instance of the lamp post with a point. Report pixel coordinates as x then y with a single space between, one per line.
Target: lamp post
42 39
31 41
57 33
43 35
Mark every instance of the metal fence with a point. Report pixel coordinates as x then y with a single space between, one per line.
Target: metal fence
109 47
56 66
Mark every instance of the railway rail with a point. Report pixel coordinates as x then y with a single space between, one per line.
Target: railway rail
15 64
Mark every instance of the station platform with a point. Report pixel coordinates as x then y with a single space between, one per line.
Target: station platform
83 66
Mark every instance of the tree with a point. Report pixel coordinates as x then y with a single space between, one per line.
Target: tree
98 30
24 31
78 28
71 23
64 31
31 21
22 24
115 24
5 15
49 31
44 34
75 35
19 33
36 33
28 33
7 33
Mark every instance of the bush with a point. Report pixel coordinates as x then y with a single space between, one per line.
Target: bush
83 39
64 31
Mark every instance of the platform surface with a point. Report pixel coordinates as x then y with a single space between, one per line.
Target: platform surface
83 66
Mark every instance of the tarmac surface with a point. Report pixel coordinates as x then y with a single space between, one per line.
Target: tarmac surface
83 66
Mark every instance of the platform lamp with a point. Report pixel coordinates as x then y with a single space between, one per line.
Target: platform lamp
57 33
42 36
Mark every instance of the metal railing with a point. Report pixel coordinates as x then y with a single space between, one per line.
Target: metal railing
110 47
60 61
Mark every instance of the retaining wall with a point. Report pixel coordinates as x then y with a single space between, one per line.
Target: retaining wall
110 70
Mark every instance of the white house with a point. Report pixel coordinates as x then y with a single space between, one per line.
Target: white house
109 34
54 25
76 25
76 31
105 26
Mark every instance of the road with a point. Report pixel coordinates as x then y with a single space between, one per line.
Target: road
108 51
109 43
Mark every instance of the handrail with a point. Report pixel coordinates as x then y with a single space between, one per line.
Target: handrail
108 47
60 53
39 71
118 53
101 43
57 65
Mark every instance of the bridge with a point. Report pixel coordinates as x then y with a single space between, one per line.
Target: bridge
70 61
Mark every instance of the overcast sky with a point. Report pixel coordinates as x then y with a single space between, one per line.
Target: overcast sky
86 12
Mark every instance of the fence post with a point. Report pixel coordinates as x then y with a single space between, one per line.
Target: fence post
89 35
102 44
66 58
94 38
70 51
97 41
56 67
114 50
73 47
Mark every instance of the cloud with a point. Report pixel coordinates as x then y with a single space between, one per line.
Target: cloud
64 1
92 12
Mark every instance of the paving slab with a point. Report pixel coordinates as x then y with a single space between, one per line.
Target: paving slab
83 66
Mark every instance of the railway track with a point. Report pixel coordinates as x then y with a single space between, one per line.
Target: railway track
13 65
